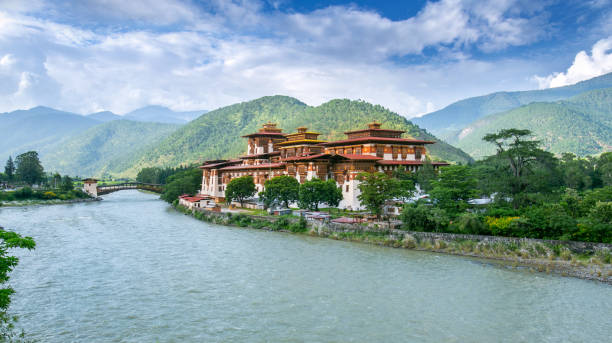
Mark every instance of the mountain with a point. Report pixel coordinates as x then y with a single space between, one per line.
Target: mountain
160 114
103 149
581 125
218 133
104 116
32 129
449 120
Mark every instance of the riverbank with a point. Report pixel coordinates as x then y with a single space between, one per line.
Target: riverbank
33 202
583 260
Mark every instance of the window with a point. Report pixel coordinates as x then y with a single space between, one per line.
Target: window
417 154
347 188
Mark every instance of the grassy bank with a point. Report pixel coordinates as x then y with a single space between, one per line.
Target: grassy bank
535 255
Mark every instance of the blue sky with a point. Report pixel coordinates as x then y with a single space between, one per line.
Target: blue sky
410 56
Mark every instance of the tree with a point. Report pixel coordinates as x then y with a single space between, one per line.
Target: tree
67 184
524 166
454 187
378 188
316 191
9 169
8 241
604 168
280 189
240 189
28 168
57 180
425 175
186 182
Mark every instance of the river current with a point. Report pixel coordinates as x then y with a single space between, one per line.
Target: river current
131 269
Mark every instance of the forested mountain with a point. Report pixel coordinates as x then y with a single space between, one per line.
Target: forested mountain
217 134
38 127
581 125
449 120
104 149
160 114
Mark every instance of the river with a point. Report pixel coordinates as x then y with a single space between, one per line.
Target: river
131 269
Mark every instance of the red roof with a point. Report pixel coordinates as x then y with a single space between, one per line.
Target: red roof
378 139
379 130
256 166
411 163
193 199
256 156
215 165
266 134
302 158
361 157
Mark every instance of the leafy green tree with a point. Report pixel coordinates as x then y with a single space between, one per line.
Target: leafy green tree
376 189
185 182
67 184
240 189
454 187
521 165
280 189
421 217
9 169
28 168
316 191
604 168
57 180
8 241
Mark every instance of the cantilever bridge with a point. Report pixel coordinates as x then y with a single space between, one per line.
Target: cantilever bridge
90 186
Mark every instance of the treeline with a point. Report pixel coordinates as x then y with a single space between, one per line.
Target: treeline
523 190
157 175
26 171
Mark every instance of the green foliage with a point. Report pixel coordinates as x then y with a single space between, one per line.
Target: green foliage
469 223
453 188
157 175
67 184
281 189
185 182
421 217
316 191
9 241
376 189
240 189
9 169
28 168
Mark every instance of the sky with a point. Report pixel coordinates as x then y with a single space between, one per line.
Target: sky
412 57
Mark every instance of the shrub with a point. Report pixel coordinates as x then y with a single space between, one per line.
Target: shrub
49 195
24 193
281 223
499 226
470 223
424 218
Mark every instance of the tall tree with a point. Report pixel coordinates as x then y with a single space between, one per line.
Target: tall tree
454 187
240 189
524 166
317 191
280 189
9 169
376 189
29 169
67 184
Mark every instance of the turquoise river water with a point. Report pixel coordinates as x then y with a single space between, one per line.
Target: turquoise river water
131 269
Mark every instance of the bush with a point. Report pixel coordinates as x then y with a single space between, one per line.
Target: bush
281 223
424 218
49 195
300 226
24 193
500 226
469 223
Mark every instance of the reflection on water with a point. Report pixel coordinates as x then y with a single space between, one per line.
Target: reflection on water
131 269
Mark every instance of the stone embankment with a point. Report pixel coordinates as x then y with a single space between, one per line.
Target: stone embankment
577 259
17 203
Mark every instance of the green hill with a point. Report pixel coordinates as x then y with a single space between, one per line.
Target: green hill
217 134
453 118
581 125
37 128
105 149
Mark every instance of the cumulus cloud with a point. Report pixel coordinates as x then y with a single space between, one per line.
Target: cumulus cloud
585 66
235 52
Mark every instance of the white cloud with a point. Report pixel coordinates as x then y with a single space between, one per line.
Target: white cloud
584 67
6 61
336 52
